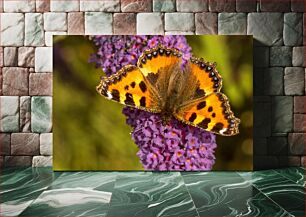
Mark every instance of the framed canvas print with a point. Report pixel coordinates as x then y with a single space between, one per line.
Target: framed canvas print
156 103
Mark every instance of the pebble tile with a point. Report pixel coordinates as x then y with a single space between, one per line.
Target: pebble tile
299 104
101 5
25 113
298 56
12 24
191 5
19 6
24 144
299 123
163 5
9 116
46 143
76 23
296 143
280 56
26 56
15 81
150 24
17 161
42 5
246 5
293 29
66 6
294 81
282 117
136 5
41 114
179 22
179 33
266 28
55 21
297 6
1 56
43 59
34 30
10 56
98 23
40 84
221 5
5 141
232 23
206 23
270 6
124 23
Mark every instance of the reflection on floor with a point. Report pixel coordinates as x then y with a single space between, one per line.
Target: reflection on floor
41 192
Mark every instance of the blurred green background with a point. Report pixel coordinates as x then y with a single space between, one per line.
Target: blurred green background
90 132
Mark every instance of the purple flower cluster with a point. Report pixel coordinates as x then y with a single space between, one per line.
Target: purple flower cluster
117 51
175 146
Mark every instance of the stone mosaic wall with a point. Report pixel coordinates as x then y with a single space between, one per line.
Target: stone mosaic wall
27 27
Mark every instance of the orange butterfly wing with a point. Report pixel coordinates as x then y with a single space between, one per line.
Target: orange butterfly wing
129 87
211 113
153 60
207 75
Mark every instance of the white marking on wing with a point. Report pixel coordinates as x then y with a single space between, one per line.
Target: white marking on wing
109 95
223 130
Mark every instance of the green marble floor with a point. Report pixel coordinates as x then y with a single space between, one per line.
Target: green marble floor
41 192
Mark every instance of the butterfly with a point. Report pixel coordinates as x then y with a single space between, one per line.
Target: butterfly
158 84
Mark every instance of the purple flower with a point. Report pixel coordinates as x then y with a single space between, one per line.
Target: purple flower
176 146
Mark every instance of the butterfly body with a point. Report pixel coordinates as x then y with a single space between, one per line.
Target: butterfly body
159 84
170 101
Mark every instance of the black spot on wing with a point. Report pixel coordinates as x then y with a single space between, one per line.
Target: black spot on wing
218 126
133 84
142 101
129 99
115 95
193 117
143 86
204 123
126 87
199 92
210 109
213 115
201 105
